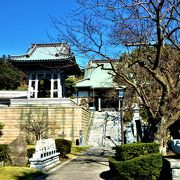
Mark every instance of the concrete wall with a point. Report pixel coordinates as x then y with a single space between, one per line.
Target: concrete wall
63 122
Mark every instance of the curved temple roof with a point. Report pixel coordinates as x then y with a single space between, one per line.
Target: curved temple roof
48 56
45 52
96 77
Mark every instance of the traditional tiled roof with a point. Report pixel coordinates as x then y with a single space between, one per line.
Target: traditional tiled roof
45 52
96 77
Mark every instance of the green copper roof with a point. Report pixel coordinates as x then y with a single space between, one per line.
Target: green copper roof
96 77
45 52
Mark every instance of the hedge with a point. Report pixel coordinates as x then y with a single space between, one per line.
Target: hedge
30 152
145 167
130 151
4 152
63 146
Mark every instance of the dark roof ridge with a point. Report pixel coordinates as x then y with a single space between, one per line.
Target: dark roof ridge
49 44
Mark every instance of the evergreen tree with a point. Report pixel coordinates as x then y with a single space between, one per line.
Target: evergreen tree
10 77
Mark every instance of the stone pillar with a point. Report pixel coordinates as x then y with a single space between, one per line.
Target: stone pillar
30 86
36 86
59 86
99 104
136 117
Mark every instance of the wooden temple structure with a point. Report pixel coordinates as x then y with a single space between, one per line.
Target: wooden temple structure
47 66
97 89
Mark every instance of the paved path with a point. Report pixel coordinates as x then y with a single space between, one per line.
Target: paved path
92 165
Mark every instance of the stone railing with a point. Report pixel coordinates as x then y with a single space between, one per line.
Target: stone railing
67 102
172 164
45 156
13 94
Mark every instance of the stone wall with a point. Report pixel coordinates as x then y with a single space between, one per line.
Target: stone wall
63 122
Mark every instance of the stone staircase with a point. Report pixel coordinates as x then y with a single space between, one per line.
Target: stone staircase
104 124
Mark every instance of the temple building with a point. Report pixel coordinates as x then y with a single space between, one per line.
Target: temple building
47 66
97 88
44 108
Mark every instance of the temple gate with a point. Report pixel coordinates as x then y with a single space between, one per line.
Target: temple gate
47 66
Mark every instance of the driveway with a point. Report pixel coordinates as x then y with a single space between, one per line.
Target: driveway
91 165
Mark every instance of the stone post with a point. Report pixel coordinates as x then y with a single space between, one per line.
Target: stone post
136 117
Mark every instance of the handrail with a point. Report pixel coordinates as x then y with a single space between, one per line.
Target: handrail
89 127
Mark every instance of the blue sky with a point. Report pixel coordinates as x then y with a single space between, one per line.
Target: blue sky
24 22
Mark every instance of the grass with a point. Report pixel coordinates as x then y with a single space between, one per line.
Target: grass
31 146
78 149
19 173
75 150
25 173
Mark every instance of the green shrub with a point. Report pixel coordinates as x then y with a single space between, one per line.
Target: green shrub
4 152
146 167
130 151
1 128
63 146
113 164
30 152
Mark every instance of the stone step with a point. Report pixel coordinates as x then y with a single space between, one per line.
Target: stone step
97 130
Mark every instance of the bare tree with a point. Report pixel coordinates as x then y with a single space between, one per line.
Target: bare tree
35 123
151 32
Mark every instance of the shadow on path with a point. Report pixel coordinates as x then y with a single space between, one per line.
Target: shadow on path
90 165
107 175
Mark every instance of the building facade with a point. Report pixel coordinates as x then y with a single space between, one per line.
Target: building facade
47 66
97 87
